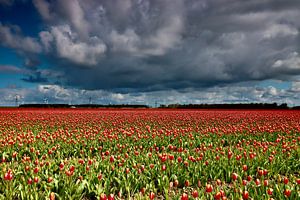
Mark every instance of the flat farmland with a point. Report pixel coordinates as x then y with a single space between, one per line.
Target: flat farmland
149 154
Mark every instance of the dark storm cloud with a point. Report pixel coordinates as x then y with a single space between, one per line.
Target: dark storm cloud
35 77
6 2
151 45
157 45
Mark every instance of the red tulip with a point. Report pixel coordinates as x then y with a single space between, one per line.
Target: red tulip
270 191
245 167
99 177
29 181
249 178
68 173
218 196
179 159
151 195
222 193
143 190
257 182
50 179
112 158
72 168
184 196
287 192
52 196
14 154
208 188
266 182
245 195
36 170
27 168
271 158
238 157
103 196
195 194
61 166
81 161
176 183
186 183
163 158
8 175
229 155
234 176
111 197
36 179
186 163
199 183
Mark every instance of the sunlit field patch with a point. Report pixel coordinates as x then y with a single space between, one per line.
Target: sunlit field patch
149 154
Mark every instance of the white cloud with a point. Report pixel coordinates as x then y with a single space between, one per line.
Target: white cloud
272 91
117 96
55 91
166 37
11 69
46 39
157 43
70 47
126 42
296 86
10 37
291 62
73 10
44 8
149 31
280 30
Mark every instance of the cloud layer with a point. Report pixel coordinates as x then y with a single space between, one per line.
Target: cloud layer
154 45
163 45
228 94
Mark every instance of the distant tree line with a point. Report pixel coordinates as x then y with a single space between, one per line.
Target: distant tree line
176 106
83 106
228 106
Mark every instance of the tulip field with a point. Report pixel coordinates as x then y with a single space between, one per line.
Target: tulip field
149 154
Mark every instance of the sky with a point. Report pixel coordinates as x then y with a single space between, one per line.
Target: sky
148 51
